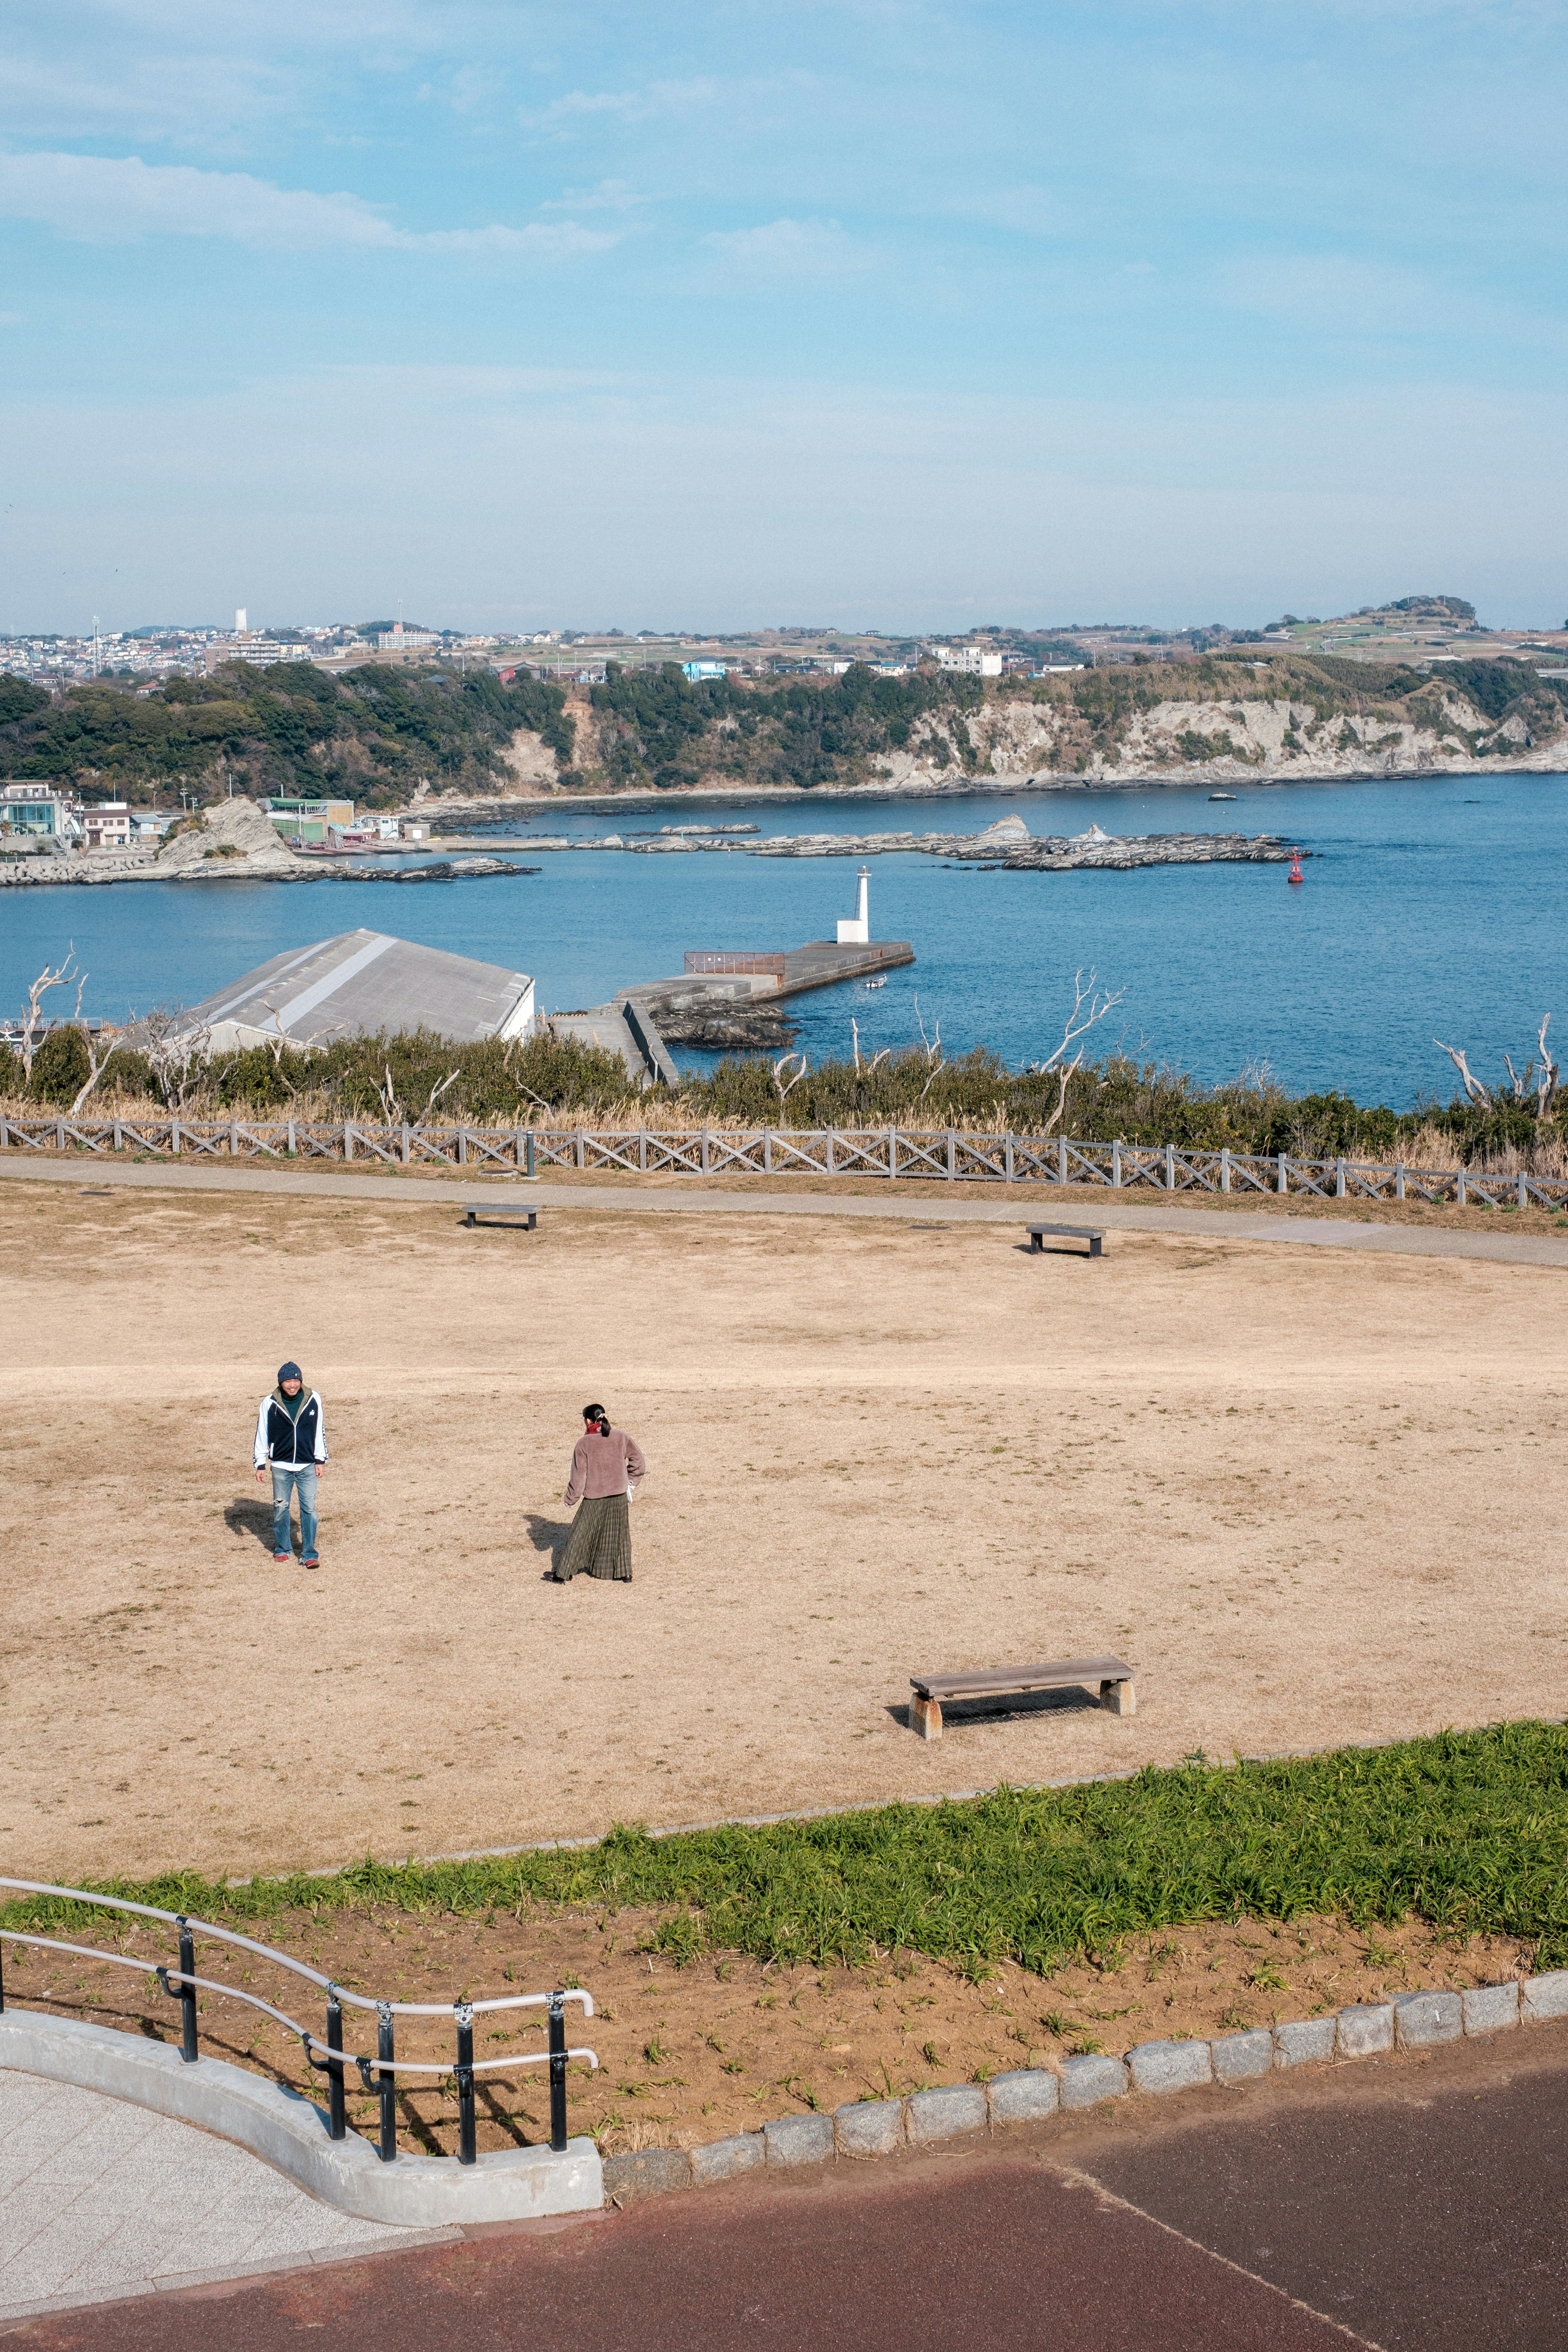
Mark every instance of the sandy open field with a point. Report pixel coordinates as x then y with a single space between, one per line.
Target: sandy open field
1313 1498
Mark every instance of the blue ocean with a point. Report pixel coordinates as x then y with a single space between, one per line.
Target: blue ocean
1430 909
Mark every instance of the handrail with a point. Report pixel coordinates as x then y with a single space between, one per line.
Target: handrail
286 1960
169 1978
378 2074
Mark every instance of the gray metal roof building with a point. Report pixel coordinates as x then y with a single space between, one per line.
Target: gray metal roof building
361 982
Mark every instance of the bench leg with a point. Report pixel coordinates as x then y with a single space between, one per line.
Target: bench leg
468 1220
533 1222
1119 1699
1037 1244
1094 1245
925 1718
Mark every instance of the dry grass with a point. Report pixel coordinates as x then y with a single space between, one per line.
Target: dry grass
1271 1477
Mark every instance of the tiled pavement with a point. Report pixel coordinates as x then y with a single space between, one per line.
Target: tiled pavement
100 2199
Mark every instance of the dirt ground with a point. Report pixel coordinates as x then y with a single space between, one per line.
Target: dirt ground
1312 1497
693 2054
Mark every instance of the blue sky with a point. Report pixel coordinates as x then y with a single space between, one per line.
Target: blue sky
891 315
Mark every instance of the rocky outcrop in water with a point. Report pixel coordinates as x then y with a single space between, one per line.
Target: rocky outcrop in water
1009 844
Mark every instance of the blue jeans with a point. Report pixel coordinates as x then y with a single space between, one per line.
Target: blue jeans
286 1481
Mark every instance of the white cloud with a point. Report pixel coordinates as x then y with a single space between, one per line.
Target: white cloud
104 200
637 105
787 251
1339 294
609 196
1031 210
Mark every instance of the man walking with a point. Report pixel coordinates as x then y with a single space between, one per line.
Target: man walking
292 1440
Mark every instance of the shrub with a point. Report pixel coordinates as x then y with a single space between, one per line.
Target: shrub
60 1067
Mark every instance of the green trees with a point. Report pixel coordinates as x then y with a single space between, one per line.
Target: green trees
287 728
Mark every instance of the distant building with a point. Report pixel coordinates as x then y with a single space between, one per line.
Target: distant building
399 640
107 825
256 650
699 669
37 809
362 982
311 821
970 659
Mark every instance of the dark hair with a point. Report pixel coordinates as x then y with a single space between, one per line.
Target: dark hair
596 1413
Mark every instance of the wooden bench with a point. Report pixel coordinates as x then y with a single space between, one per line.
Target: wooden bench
1117 1693
522 1216
1093 1234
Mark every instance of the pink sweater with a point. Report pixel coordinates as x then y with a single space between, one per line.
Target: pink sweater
605 1465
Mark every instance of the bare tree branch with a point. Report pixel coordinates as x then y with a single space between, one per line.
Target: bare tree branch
864 1069
100 1053
1089 1005
1473 1087
1546 1075
178 1053
782 1087
32 1022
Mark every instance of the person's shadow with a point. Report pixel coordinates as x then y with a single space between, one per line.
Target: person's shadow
246 1516
547 1536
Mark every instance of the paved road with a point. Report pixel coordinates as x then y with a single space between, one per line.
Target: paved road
1413 2205
659 1200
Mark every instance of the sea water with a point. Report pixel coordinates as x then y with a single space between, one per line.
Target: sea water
1431 909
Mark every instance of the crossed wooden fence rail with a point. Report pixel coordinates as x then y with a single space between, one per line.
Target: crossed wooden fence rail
891 1151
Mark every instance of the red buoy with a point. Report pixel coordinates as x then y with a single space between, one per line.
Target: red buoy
1296 874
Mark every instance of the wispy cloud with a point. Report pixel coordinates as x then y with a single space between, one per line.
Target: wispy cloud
786 252
580 106
110 200
609 196
1329 295
1030 211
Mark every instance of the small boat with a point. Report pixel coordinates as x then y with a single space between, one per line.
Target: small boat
876 983
1222 796
1295 873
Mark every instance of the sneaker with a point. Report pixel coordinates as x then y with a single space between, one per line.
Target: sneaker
312 1559
283 1559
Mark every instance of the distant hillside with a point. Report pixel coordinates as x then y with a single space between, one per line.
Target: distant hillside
374 735
1219 717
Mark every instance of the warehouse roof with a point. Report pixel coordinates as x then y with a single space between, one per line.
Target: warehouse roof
362 981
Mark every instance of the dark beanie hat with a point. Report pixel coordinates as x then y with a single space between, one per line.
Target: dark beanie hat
290 1372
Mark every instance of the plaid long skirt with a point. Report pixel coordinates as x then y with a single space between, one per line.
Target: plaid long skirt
600 1543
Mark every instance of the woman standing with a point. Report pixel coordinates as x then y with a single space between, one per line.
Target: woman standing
606 1468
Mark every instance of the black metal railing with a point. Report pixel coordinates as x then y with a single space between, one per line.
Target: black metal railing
378 2074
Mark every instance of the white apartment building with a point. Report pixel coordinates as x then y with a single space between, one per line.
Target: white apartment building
970 659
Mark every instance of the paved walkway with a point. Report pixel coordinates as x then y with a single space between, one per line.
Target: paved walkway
99 2200
654 1199
1409 2204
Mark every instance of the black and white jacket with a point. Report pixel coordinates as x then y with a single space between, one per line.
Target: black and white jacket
288 1441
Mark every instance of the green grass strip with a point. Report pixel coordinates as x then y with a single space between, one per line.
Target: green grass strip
1467 1830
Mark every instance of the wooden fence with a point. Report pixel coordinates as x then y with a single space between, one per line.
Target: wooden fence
951 1153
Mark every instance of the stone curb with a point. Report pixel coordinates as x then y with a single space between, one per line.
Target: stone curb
959 2111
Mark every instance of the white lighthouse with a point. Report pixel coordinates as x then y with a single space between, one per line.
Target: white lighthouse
854 931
